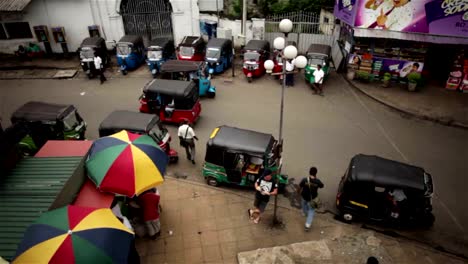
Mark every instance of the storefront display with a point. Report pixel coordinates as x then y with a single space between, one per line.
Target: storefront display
458 77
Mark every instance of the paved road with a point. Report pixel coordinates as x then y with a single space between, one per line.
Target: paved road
322 131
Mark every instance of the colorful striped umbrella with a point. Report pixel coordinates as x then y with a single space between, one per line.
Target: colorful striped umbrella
75 234
126 163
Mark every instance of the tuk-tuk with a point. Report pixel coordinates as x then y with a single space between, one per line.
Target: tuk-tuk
191 48
195 71
218 55
256 52
87 49
130 53
239 156
44 121
317 54
159 51
139 123
173 101
386 191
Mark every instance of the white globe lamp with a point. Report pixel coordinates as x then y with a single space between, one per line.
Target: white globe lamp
300 62
269 66
279 43
290 52
285 25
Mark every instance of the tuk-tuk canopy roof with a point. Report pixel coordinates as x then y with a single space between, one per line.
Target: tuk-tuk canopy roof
161 42
134 39
181 66
93 42
386 173
128 120
40 111
191 41
170 87
218 43
256 44
319 49
242 140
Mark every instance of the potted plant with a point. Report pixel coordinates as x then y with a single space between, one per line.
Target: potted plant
386 79
413 80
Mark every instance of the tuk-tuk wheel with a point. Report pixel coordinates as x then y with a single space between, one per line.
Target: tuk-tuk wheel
124 72
90 76
173 159
210 95
249 79
348 217
212 181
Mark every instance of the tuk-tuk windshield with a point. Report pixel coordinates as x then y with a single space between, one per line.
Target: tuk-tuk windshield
212 53
154 54
251 56
157 133
86 53
314 61
70 121
186 51
123 49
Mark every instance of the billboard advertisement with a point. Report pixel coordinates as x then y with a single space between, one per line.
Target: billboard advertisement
437 17
400 67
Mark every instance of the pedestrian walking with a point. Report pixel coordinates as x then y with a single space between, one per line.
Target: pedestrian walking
289 73
149 202
186 137
99 67
265 187
318 77
308 188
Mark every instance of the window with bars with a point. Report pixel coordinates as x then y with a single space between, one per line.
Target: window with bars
17 30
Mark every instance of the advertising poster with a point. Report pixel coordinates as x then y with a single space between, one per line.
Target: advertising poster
401 67
345 10
437 17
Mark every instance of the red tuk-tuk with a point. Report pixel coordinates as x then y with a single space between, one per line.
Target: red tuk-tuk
256 52
173 101
191 48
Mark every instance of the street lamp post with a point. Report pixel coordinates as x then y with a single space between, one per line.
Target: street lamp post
287 53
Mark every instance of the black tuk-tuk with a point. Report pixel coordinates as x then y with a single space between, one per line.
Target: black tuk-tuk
173 101
256 52
218 55
45 121
192 48
138 123
159 51
386 191
87 49
239 156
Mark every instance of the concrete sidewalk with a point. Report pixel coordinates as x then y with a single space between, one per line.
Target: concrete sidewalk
430 102
202 224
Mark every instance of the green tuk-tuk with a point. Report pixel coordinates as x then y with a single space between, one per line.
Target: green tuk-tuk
317 54
44 121
239 156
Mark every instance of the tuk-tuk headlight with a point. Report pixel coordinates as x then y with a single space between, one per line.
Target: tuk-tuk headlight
217 63
210 70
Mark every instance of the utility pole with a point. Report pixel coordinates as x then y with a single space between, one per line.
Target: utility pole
244 20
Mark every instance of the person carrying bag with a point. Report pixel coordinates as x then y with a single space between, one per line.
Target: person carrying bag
308 188
186 137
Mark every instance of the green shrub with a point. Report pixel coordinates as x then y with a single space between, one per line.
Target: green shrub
414 77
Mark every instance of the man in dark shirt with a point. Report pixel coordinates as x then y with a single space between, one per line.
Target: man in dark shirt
266 187
308 188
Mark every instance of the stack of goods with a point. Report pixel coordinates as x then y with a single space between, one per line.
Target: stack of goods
456 74
377 68
464 86
365 69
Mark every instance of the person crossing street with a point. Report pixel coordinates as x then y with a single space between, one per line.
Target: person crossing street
186 137
99 67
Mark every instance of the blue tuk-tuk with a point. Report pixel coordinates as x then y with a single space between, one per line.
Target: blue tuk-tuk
159 51
189 71
130 53
218 55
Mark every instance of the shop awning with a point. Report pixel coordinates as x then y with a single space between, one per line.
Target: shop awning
13 5
378 33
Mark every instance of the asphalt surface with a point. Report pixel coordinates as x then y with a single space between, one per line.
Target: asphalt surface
321 131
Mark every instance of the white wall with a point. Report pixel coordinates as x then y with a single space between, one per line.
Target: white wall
75 16
185 19
210 5
327 27
256 26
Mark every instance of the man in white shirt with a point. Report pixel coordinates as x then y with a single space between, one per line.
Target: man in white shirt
99 67
289 75
186 137
318 77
